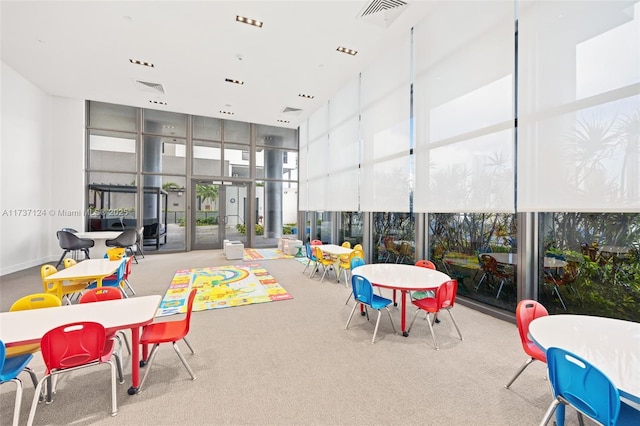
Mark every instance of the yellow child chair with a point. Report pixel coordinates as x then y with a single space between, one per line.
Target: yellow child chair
61 289
31 301
327 263
116 253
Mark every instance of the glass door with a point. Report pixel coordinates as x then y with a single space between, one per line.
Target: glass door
218 214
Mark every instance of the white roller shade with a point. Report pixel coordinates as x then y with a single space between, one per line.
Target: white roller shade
464 108
579 106
385 127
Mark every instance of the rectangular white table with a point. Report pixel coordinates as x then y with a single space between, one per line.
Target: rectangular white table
335 251
88 270
99 238
25 327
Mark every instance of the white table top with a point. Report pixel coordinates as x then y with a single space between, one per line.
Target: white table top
334 249
87 269
613 346
98 235
21 327
401 277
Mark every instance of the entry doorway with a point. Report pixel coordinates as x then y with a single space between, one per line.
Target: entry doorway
219 213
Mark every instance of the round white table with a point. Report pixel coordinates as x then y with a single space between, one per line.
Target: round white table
611 345
402 277
99 238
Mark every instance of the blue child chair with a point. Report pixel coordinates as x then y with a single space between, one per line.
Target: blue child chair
9 370
577 383
363 295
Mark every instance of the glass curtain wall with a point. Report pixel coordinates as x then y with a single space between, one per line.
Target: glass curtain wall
145 168
565 231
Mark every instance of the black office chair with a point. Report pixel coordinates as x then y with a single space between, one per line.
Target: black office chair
127 240
71 243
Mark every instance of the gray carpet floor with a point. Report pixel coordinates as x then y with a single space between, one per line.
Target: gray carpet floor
292 362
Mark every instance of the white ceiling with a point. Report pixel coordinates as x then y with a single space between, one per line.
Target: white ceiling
81 49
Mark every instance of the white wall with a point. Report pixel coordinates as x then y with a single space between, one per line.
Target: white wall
41 159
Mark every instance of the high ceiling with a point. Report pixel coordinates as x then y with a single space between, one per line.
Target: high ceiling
82 49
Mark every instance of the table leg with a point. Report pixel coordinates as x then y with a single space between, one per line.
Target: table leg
135 361
403 311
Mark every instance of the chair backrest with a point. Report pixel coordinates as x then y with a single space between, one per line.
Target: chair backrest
405 248
36 301
346 244
69 241
488 263
47 270
187 319
526 311
356 261
389 244
357 253
68 262
115 253
362 289
358 247
446 294
318 253
583 386
426 264
316 242
127 268
72 345
309 251
100 294
69 230
127 238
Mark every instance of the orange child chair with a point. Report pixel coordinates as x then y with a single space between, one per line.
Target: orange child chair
102 294
444 300
527 311
165 332
73 346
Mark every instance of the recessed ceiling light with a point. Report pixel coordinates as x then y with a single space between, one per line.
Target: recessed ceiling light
230 80
158 102
249 21
302 95
226 112
347 51
143 63
282 121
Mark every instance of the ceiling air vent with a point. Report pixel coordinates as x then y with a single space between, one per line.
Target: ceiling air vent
291 110
147 86
382 12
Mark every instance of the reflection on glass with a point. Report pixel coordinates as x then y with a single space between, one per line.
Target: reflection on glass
112 151
236 161
110 116
207 158
164 123
600 255
463 244
236 131
164 155
207 128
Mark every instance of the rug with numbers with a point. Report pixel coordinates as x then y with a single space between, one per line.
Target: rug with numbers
221 287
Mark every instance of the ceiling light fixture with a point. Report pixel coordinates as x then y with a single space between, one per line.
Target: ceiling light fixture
347 51
226 112
230 80
282 121
143 63
302 95
249 21
158 102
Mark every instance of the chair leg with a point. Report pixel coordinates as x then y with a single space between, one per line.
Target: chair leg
351 315
375 330
520 370
549 413
61 258
433 335
183 359
349 298
148 363
129 287
114 399
454 322
18 402
188 345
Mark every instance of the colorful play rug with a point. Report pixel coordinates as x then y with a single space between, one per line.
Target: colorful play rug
264 254
221 287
